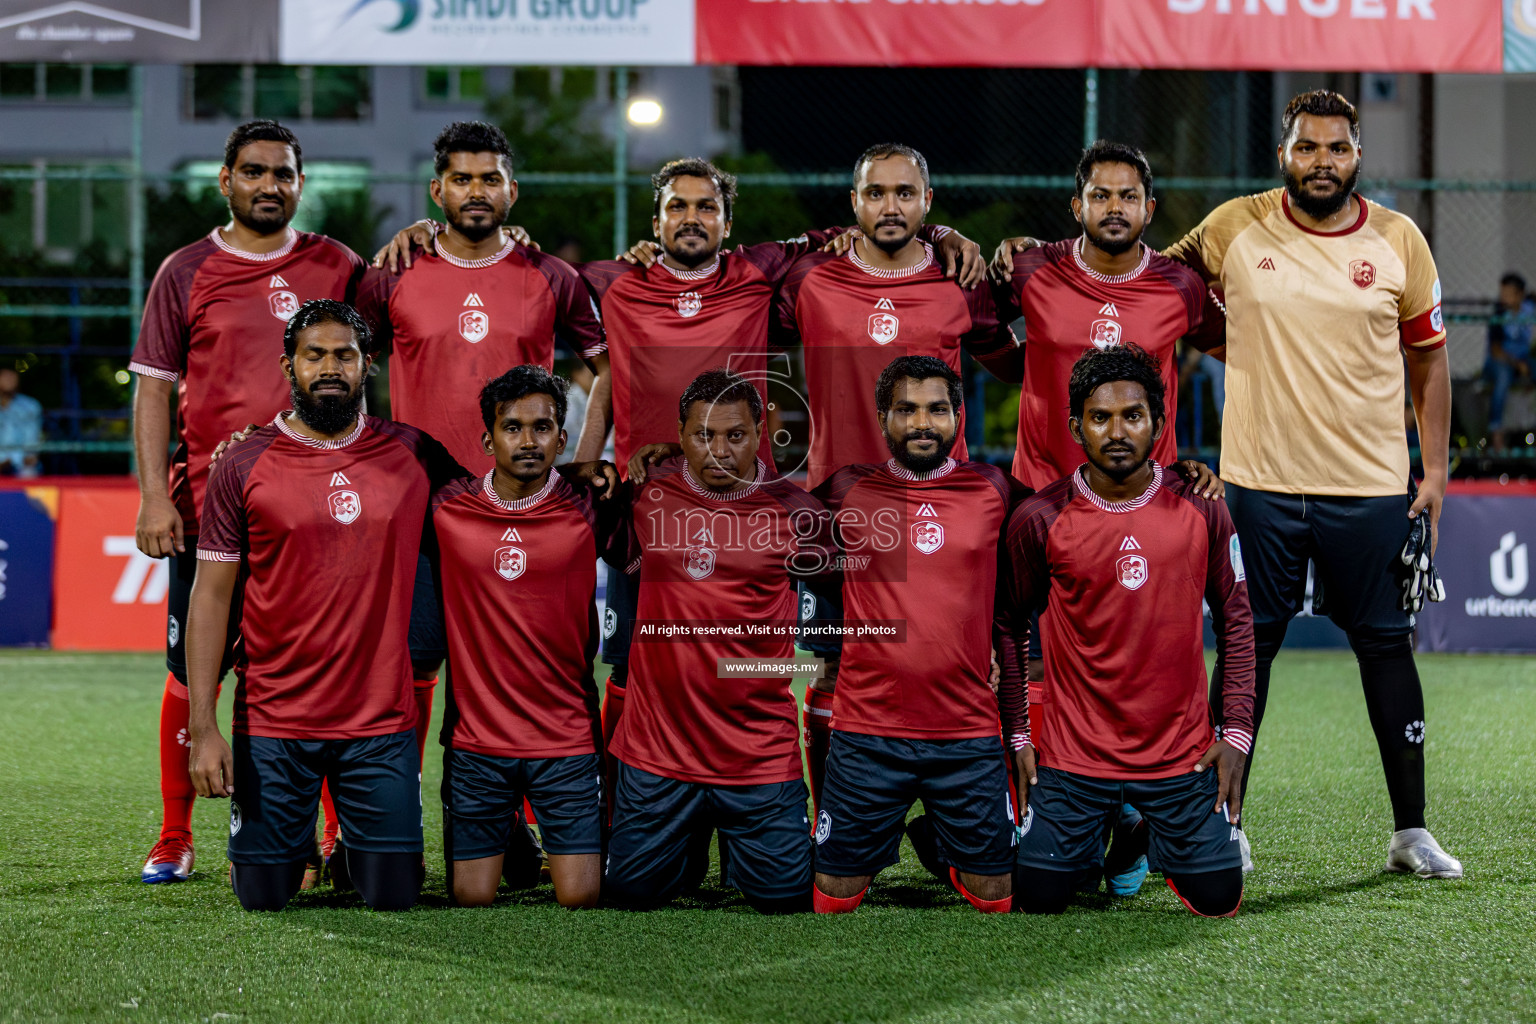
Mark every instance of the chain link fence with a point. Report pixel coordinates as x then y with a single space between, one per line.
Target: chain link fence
1001 145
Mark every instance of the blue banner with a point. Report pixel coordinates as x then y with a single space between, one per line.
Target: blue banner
26 570
1484 557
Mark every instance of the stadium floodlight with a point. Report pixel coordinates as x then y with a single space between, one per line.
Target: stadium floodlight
644 112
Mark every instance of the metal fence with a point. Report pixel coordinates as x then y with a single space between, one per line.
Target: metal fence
1209 136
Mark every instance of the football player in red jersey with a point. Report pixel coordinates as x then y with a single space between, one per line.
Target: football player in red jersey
515 553
211 337
1116 559
319 511
915 718
459 314
708 741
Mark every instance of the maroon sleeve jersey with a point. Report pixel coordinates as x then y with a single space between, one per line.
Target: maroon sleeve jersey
517 581
665 327
1069 309
1121 585
451 325
852 320
724 568
920 553
213 323
329 532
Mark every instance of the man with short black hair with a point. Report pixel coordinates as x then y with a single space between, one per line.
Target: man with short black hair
708 741
213 324
1116 559
1328 295
318 515
515 554
914 716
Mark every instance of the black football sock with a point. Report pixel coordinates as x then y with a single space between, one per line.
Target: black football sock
1209 893
1394 699
386 881
1038 891
266 886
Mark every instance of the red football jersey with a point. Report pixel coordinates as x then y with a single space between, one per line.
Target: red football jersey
852 320
517 580
722 568
1121 584
329 532
919 551
213 323
450 325
1068 309
665 327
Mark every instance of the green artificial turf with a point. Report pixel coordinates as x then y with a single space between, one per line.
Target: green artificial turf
1323 934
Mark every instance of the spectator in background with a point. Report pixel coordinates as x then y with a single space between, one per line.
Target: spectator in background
21 427
1509 349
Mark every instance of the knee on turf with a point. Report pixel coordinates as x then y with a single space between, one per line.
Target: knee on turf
578 897
386 881
799 904
1038 891
1210 893
266 887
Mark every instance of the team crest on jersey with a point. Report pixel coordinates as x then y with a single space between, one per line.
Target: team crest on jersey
234 819
1362 272
1132 571
345 506
688 304
474 326
699 558
284 305
823 826
510 562
927 536
1105 334
883 327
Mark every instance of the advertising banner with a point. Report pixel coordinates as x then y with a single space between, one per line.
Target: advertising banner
139 31
26 566
1485 559
488 31
108 596
1301 35
995 33
1519 35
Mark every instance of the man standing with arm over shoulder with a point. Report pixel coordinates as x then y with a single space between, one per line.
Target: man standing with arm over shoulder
212 336
1327 296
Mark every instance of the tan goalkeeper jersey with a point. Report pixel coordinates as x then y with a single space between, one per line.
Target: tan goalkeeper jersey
1314 323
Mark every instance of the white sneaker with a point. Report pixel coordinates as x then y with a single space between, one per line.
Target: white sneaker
1246 849
1414 851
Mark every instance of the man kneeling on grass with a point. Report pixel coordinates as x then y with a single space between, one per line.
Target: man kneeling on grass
1116 558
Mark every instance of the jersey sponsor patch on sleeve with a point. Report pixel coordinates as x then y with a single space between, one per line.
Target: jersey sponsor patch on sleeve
1235 556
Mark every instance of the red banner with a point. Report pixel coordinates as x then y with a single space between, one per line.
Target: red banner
107 595
1356 35
993 33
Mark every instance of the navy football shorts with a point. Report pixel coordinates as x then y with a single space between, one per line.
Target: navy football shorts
659 843
872 782
1354 544
1069 815
621 598
375 782
428 638
183 569
482 795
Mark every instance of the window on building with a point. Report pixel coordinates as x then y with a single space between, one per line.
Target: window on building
64 83
59 211
453 85
325 182
244 91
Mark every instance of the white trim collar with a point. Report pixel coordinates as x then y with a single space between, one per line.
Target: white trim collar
707 271
520 504
327 443
705 492
256 257
1131 275
479 264
901 472
924 264
1080 484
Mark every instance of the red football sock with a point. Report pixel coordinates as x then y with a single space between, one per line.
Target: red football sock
176 790
818 737
824 904
332 823
1001 906
424 691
